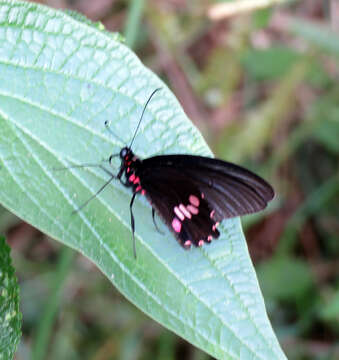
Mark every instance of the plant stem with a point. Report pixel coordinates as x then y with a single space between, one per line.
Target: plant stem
45 325
135 11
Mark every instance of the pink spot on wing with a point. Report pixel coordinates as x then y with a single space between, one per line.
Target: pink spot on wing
143 192
185 211
131 178
201 242
176 225
212 214
187 244
179 214
202 195
136 180
209 238
138 188
128 170
194 200
214 227
192 209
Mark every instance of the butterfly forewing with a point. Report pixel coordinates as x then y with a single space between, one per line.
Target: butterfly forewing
193 194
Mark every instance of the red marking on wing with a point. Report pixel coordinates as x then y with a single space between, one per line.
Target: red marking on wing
180 215
192 209
176 225
187 244
185 211
194 200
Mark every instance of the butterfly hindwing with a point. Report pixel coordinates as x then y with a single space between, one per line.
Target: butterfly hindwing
193 194
183 208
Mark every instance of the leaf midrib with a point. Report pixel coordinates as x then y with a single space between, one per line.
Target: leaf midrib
86 222
218 270
123 268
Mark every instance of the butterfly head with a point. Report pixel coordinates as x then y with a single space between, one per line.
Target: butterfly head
127 157
126 153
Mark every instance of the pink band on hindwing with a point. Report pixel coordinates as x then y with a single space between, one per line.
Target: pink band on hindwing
176 225
179 214
185 211
194 200
192 209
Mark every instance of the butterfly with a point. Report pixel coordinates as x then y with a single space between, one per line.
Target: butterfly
192 194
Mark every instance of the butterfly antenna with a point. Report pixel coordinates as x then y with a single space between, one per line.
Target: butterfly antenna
142 114
112 133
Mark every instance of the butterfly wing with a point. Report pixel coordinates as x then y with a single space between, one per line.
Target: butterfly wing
193 194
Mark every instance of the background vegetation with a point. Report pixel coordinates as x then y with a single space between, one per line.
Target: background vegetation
262 86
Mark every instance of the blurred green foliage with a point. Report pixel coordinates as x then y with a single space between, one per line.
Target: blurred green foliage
10 316
263 89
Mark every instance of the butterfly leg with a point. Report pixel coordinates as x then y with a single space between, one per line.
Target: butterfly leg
107 171
85 165
133 224
155 224
124 183
93 196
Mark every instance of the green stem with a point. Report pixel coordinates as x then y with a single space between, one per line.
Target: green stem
48 316
135 11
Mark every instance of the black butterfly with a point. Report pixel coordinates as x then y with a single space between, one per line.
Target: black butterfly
192 194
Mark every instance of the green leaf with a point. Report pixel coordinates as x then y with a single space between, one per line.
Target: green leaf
60 79
327 132
326 116
319 35
285 270
330 310
261 18
10 316
98 25
270 63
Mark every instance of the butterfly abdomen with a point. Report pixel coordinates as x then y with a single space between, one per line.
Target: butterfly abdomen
130 166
